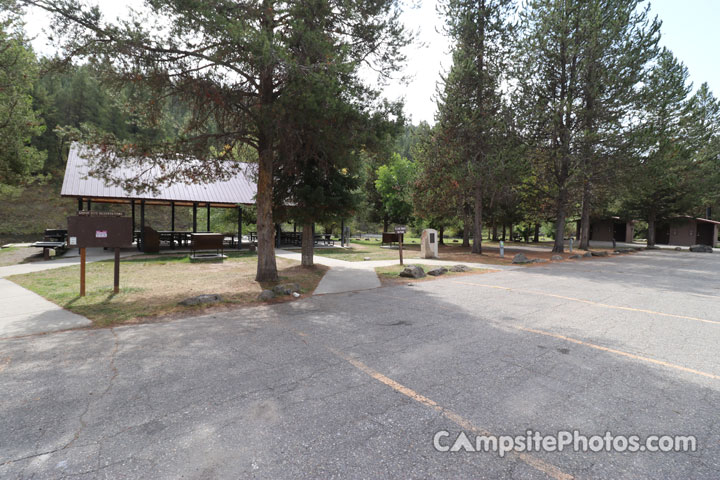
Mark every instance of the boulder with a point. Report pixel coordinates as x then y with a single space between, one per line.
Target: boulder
201 300
575 257
520 258
366 258
460 268
678 249
413 271
701 249
556 258
266 295
587 255
286 289
436 272
599 254
538 260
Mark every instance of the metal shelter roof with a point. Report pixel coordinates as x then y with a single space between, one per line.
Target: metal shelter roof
240 189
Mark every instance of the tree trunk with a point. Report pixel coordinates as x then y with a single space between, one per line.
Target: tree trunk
266 266
510 232
494 231
308 245
651 228
386 223
466 228
477 223
441 233
585 219
503 233
536 237
559 245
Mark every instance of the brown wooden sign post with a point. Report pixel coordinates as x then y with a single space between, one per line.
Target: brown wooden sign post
99 229
400 230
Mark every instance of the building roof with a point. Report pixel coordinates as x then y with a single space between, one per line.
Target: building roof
240 189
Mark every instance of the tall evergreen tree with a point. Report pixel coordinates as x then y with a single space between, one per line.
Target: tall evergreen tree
229 61
618 43
662 184
19 122
470 104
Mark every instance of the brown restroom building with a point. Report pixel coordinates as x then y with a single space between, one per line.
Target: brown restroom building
687 231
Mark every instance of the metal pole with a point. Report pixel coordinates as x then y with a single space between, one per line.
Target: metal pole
208 217
502 249
194 217
239 241
142 225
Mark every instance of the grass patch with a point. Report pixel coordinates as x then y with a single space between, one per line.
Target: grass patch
359 249
152 286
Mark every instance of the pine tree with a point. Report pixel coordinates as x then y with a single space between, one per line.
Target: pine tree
228 61
19 122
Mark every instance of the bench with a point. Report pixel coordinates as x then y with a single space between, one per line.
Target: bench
390 237
49 245
207 241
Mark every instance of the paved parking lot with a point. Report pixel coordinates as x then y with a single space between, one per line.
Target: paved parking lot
357 385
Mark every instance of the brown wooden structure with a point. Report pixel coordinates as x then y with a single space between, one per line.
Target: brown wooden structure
234 192
687 231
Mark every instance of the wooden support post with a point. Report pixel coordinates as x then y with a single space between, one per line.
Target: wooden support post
89 204
194 217
132 204
239 241
116 284
80 205
142 225
82 271
172 216
208 217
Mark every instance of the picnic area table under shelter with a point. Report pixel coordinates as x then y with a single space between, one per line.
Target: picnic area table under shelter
235 192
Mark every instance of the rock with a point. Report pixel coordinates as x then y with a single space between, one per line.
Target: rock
678 249
575 257
460 268
296 295
436 272
286 289
266 295
701 249
520 258
252 247
654 247
201 300
599 254
413 271
556 258
587 255
366 258
538 260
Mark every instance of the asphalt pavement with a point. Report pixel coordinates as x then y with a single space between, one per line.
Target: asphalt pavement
357 385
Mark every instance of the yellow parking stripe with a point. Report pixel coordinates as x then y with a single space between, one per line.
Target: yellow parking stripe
590 302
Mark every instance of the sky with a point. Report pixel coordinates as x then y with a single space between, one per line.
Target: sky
690 28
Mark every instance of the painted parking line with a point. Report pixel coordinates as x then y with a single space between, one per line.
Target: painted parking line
548 469
620 352
591 345
589 302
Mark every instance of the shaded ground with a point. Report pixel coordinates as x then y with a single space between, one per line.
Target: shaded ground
16 255
357 385
152 286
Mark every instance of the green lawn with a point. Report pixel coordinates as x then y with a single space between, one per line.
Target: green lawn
152 286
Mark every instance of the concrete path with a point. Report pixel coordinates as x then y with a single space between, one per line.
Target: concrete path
72 257
23 312
345 276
